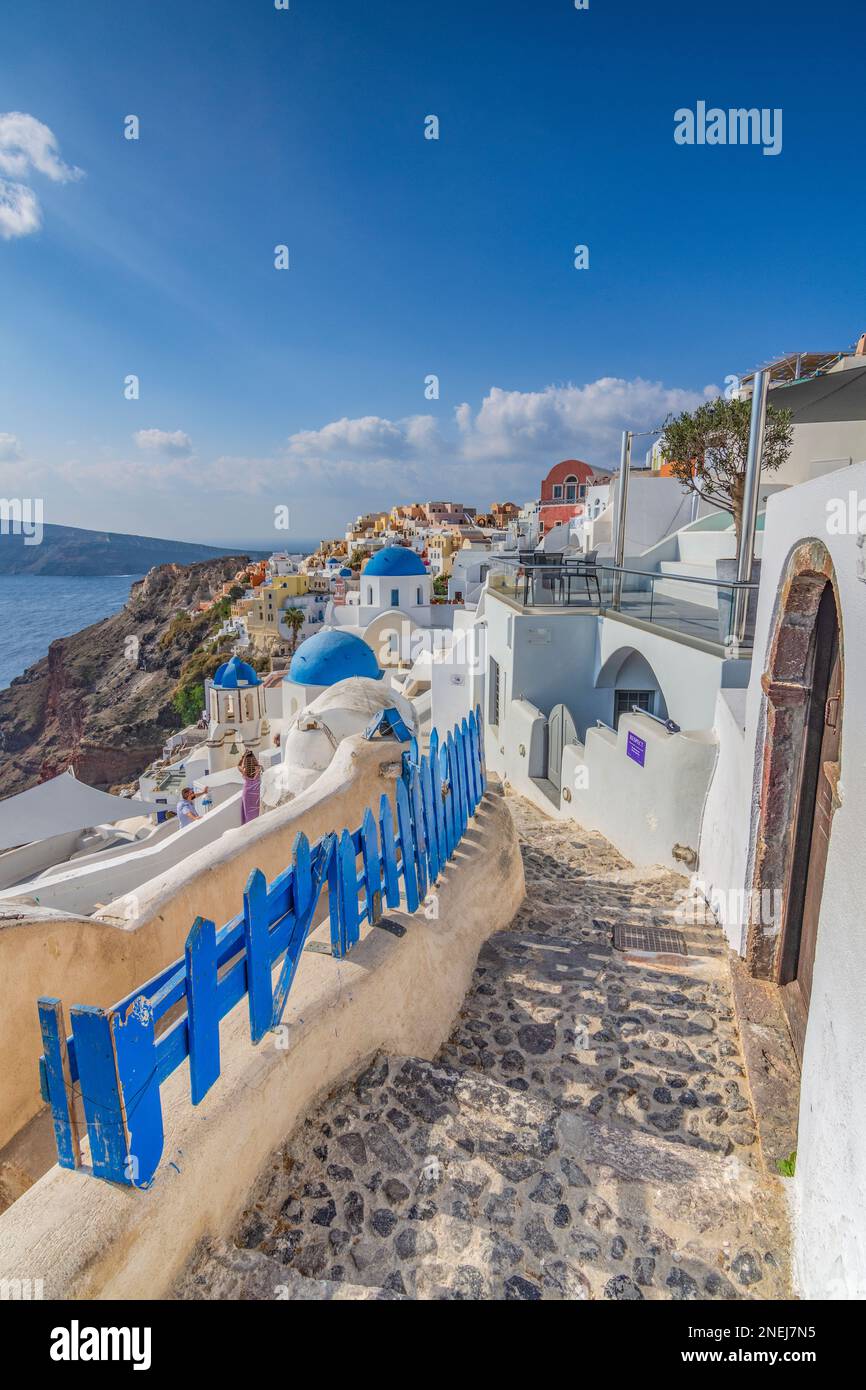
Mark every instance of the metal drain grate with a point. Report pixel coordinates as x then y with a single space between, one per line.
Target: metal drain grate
662 940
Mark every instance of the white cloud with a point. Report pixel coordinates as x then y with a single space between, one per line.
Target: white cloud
568 421
368 437
10 448
26 146
173 442
19 210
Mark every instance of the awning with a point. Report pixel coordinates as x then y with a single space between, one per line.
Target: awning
60 805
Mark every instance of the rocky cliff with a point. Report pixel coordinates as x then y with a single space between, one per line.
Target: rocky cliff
100 701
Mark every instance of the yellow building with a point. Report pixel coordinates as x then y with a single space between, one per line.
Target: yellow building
264 610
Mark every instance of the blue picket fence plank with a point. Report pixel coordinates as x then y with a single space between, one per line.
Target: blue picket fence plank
257 947
100 1092
418 827
438 802
476 762
430 827
58 1091
348 891
114 1055
135 1054
466 756
202 1015
407 847
306 887
372 867
447 801
389 853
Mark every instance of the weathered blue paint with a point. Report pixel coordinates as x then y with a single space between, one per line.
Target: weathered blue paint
203 1019
114 1055
58 1085
389 853
257 947
407 847
135 1054
417 808
307 886
372 867
348 892
430 827
100 1092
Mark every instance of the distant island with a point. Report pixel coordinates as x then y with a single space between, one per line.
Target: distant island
72 550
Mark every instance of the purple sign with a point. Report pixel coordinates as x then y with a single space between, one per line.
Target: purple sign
636 748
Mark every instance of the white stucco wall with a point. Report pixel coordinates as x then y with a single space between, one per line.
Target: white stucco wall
651 812
830 1182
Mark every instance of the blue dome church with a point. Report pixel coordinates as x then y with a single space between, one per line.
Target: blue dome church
395 577
321 661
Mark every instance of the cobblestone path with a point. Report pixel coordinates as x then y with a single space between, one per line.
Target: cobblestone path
585 1132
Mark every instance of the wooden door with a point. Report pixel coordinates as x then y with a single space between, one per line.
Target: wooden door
814 820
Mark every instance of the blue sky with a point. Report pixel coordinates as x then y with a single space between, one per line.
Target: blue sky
408 257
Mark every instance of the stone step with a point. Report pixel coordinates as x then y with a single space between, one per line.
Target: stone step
249 1275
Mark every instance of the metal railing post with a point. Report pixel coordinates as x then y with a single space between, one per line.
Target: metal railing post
751 494
621 508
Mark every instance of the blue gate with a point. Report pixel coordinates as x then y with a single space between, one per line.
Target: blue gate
115 1060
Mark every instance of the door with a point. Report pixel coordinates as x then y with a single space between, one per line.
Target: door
560 731
814 819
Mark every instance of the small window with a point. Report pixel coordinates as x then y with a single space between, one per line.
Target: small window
570 489
395 598
625 699
557 490
370 594
418 596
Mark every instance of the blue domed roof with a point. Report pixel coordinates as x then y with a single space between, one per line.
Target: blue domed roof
345 574
333 560
332 656
394 560
234 674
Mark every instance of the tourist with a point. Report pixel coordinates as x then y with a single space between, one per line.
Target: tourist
186 812
251 770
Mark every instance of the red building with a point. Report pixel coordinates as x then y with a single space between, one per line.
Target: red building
562 493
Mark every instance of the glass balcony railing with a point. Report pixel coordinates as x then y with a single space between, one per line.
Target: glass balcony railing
721 612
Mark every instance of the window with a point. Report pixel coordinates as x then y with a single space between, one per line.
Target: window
419 598
624 699
570 489
557 490
495 692
581 491
369 593
395 598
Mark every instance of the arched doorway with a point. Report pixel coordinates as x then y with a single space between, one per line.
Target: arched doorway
799 775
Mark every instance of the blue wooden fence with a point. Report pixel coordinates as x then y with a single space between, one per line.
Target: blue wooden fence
114 1060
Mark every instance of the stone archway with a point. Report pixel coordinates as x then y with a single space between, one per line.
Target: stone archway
792 683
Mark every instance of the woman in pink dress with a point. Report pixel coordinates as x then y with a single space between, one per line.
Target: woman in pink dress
251 771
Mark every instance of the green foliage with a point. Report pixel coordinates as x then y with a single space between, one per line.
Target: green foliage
708 447
294 619
188 702
786 1166
440 586
358 556
236 592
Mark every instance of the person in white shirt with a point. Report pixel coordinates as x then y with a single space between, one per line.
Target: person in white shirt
186 812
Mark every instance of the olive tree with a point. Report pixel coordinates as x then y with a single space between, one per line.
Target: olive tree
707 450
